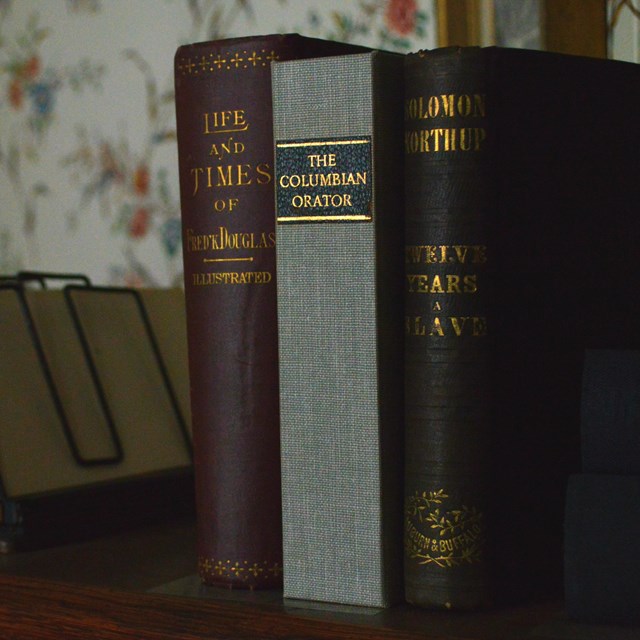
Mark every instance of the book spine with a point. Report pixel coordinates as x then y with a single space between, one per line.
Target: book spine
589 564
448 262
223 113
338 134
610 411
225 151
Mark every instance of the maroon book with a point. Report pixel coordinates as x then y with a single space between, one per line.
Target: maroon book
225 149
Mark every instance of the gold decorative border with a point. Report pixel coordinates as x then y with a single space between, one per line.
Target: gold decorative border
221 62
245 571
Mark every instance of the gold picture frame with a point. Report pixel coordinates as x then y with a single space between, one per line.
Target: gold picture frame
569 26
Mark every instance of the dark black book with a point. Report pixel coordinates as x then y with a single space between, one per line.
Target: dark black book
602 557
611 412
521 243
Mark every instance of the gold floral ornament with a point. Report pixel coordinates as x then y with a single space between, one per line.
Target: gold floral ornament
440 536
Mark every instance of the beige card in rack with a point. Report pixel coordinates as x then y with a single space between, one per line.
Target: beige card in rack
35 455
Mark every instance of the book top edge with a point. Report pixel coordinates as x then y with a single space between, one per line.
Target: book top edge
270 39
497 52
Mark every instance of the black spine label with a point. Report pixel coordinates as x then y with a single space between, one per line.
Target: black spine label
324 180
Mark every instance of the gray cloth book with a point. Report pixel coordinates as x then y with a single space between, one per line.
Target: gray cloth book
339 238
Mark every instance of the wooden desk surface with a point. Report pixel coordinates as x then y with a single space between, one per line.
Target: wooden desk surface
141 585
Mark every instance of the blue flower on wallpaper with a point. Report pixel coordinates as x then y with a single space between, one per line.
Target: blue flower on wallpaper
34 82
31 83
171 233
42 97
36 90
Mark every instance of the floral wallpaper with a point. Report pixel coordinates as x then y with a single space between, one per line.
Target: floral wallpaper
88 164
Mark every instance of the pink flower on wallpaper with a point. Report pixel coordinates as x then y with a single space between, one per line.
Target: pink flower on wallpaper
141 180
139 223
24 73
31 68
16 94
401 16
